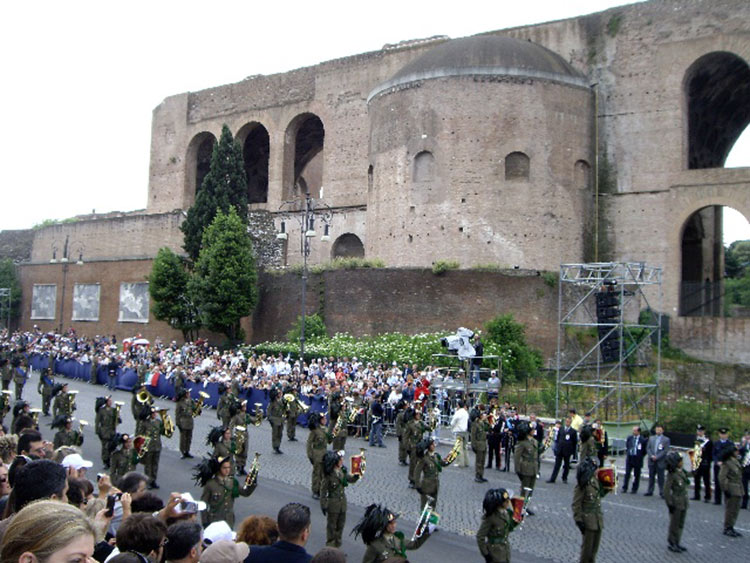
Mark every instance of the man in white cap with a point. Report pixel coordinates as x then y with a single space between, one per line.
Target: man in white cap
76 465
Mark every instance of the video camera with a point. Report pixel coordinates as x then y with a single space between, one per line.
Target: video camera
460 343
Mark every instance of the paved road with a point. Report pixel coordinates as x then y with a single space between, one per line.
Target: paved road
635 526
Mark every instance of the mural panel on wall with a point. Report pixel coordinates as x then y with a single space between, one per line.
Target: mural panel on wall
86 302
134 302
43 301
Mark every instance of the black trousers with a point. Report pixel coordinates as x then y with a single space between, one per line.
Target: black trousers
634 464
493 450
717 487
745 482
703 474
563 460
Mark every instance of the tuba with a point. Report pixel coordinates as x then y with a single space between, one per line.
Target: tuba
144 397
453 454
198 405
428 516
167 423
252 474
239 437
258 414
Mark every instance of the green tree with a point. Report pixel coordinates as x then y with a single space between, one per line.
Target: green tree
737 259
224 186
315 328
9 279
171 301
510 335
224 282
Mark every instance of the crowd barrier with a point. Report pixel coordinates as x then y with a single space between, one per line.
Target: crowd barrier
127 378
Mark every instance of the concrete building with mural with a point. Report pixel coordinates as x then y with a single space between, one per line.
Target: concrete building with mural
595 138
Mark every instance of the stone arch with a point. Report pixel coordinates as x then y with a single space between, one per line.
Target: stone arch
716 89
424 167
304 143
517 166
256 149
197 164
348 245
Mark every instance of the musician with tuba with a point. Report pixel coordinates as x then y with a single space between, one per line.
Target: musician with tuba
293 409
378 530
105 424
497 524
220 488
152 428
427 472
587 507
333 495
140 406
702 455
239 425
183 415
65 435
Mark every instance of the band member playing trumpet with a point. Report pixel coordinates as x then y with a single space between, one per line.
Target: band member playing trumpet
497 524
317 443
45 387
378 530
183 415
676 496
427 472
65 435
153 429
587 508
63 403
525 459
220 489
333 496
105 424
122 457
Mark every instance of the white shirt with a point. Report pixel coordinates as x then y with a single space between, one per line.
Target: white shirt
460 421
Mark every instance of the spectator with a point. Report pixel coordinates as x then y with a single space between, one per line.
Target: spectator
460 429
258 530
184 543
48 531
294 531
143 534
146 502
329 555
40 479
31 444
225 551
657 450
8 448
77 465
4 487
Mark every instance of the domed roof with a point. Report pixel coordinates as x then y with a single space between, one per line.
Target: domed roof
495 55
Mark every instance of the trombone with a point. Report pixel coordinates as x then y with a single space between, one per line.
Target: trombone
252 474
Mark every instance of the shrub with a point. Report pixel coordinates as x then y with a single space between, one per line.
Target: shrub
442 266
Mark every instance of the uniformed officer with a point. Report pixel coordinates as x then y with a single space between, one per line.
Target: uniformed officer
6 370
45 387
720 446
497 524
105 423
676 496
401 431
292 411
525 460
317 443
123 457
276 418
141 411
239 421
63 403
65 435
5 400
745 463
589 447
222 408
730 479
20 372
183 415
333 495
427 472
587 508
703 471
378 530
153 428
414 431
178 381
479 429
220 488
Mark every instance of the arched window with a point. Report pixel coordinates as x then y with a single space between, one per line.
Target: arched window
717 89
517 166
198 163
303 156
348 245
255 152
424 167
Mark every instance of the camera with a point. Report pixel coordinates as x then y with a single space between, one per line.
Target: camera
460 343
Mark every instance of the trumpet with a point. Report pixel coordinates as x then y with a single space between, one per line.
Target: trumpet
198 405
239 436
258 414
167 422
302 406
352 415
71 398
428 516
118 406
144 397
434 419
453 454
252 474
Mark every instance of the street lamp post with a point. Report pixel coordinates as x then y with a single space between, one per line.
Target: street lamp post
65 263
305 209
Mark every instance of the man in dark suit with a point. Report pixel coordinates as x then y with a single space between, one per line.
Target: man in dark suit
657 450
719 446
635 450
294 530
564 447
703 471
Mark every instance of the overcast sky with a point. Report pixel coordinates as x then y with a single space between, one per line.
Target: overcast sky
81 78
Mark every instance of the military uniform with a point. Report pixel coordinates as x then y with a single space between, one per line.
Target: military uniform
184 419
492 536
6 370
106 427
730 479
219 494
525 462
400 431
178 381
222 408
62 405
46 384
94 370
479 444
152 428
317 443
412 435
276 418
676 496
240 456
333 501
391 545
427 477
121 461
587 513
20 375
339 438
589 448
222 450
292 411
67 438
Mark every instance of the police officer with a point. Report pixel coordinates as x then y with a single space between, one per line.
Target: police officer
526 460
105 423
317 443
276 418
479 429
152 428
183 415
730 479
333 496
220 488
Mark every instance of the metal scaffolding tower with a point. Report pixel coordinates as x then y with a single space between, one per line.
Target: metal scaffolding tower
609 297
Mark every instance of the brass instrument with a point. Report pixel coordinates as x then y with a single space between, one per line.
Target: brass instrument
35 415
239 437
140 445
198 404
746 456
252 474
167 422
144 397
434 419
428 516
118 406
352 415
453 454
81 425
302 406
5 400
341 421
547 442
520 505
696 454
71 398
258 414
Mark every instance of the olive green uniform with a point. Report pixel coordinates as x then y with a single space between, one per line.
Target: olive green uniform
400 432
222 408
589 448
492 536
587 513
61 405
19 378
479 444
121 462
676 496
525 462
412 435
153 429
178 381
67 438
219 494
333 501
240 456
276 418
45 390
730 479
106 426
183 415
427 477
292 411
317 443
135 408
391 545
225 451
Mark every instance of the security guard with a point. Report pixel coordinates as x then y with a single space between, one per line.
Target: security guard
587 508
105 424
333 496
220 489
183 415
730 479
317 443
497 524
526 460
479 429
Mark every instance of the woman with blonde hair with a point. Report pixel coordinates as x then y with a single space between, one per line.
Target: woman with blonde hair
49 531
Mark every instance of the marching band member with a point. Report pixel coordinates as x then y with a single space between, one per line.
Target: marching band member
730 479
427 472
62 403
183 414
65 435
220 488
220 437
703 471
497 524
123 457
414 431
479 429
525 459
676 497
152 428
587 508
317 442
105 424
378 530
240 418
276 419
333 495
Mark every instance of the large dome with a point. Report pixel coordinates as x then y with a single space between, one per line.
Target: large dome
488 55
